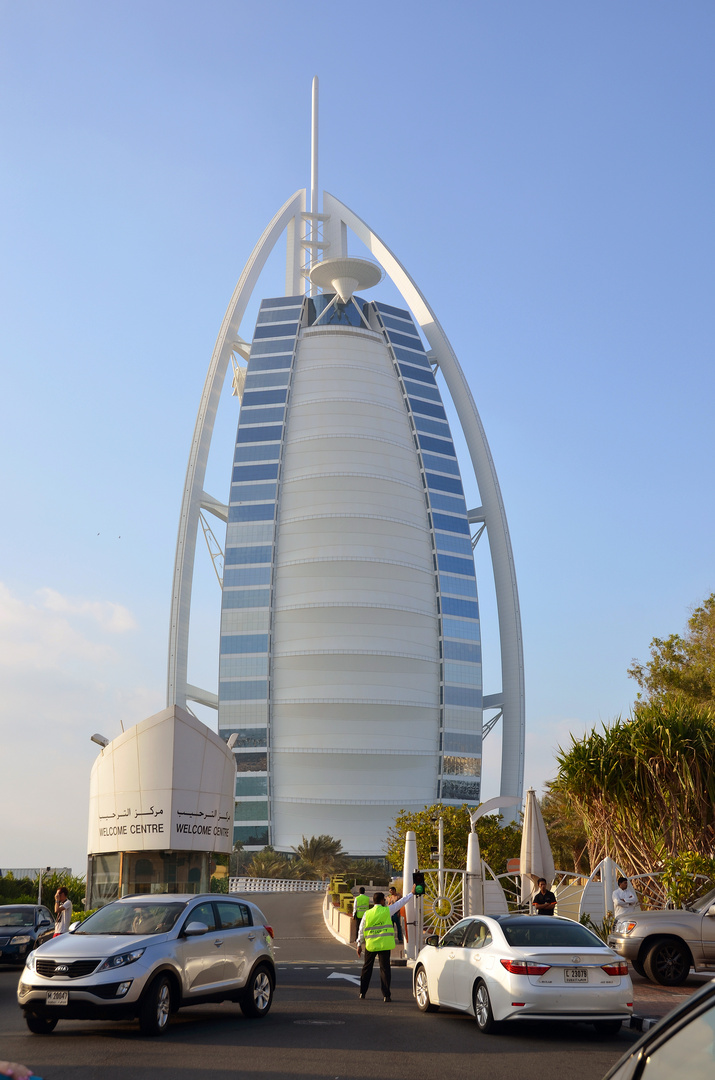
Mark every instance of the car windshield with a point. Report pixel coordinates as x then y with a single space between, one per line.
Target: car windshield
704 902
17 916
554 935
132 918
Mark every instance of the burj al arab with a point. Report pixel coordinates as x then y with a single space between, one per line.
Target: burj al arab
350 664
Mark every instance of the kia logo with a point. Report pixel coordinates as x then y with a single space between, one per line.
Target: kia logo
61 967
575 959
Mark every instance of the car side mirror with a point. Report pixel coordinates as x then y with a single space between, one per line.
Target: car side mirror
195 929
44 922
73 926
711 910
433 939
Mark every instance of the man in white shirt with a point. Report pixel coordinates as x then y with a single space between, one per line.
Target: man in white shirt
63 911
625 900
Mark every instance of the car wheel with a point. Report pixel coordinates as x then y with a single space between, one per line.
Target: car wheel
422 993
483 1010
667 962
258 995
40 1025
638 968
607 1029
155 1010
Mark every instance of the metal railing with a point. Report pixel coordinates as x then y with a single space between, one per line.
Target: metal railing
268 885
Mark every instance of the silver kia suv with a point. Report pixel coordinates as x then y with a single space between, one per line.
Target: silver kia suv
147 956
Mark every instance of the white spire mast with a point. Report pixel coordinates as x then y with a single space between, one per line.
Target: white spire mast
314 207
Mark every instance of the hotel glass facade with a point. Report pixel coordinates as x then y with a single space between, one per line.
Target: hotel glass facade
350 663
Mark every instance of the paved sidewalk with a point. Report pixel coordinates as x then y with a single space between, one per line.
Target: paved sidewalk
655 1001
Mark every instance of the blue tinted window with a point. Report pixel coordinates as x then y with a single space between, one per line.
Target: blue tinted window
265 356
405 323
403 339
420 374
248 762
252 811
252 492
249 667
456 566
462 695
250 836
247 736
446 502
282 314
259 434
262 415
386 309
255 472
452 543
462 742
281 301
437 446
251 785
467 609
428 409
465 674
252 512
266 378
244 643
280 330
454 628
448 465
248 575
461 650
459 790
257 453
235 556
247 690
423 391
454 524
245 598
461 586
411 357
432 426
444 483
263 397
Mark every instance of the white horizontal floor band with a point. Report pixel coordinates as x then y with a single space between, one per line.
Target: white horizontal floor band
300 477
279 700
352 751
357 652
417 801
353 604
291 519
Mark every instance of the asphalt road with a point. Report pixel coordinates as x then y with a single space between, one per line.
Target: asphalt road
317 1028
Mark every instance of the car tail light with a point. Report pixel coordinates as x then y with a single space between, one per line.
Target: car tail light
269 930
615 969
525 967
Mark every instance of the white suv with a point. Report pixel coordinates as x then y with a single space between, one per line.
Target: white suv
146 957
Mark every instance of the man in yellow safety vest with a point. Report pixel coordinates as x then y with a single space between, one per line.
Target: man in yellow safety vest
360 905
377 934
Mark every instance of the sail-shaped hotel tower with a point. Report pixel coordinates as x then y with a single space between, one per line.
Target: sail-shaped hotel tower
350 648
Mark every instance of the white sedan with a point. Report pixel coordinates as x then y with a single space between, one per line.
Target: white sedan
524 967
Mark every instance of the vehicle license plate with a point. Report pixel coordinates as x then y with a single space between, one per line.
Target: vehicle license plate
576 975
58 997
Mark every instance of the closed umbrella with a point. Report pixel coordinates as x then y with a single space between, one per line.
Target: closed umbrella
535 858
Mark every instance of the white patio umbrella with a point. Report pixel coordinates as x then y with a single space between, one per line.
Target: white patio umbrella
535 857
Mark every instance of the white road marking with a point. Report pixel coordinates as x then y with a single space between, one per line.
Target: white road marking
341 975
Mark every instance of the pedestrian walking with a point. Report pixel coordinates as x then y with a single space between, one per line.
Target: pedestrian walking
377 935
63 911
360 905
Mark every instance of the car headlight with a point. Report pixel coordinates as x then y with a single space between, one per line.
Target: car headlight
20 939
121 960
30 962
624 926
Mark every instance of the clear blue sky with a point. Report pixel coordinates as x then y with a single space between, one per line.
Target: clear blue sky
545 172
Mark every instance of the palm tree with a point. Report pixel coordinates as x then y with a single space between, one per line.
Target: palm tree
270 864
645 787
320 857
